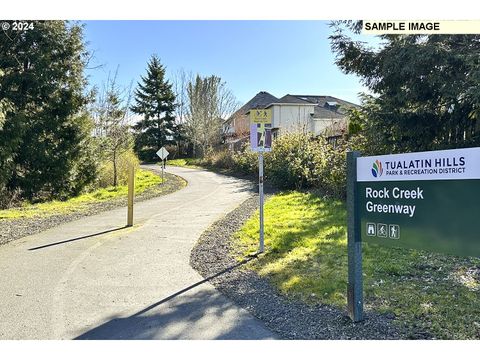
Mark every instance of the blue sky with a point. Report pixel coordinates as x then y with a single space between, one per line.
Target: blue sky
276 56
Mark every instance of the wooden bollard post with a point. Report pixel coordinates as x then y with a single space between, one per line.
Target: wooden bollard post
131 192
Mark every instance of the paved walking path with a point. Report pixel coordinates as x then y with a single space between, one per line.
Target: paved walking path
125 283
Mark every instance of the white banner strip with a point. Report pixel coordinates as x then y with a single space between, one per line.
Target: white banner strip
453 164
378 27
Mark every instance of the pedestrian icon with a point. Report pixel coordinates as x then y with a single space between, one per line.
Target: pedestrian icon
382 230
371 229
394 232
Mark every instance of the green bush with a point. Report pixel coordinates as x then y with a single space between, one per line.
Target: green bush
105 175
329 174
9 198
246 161
222 159
297 161
290 164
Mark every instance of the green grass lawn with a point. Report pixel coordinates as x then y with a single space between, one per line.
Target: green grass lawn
306 259
144 179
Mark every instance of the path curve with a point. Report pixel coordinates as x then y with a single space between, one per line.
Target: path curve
94 279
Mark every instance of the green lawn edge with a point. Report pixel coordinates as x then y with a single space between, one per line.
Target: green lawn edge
306 260
144 180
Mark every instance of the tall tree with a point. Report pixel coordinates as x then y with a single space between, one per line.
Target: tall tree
426 88
44 140
210 102
155 102
112 129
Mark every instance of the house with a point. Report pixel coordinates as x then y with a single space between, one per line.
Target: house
237 127
319 115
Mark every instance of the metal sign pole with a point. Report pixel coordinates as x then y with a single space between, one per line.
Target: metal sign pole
354 243
163 166
260 190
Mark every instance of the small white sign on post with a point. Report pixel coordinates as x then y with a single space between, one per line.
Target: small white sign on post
162 153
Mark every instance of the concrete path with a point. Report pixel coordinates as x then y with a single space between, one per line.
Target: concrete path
94 279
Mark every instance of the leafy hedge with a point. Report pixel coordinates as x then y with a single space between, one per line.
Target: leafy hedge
297 161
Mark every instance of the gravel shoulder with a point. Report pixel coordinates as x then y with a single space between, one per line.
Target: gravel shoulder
19 228
288 318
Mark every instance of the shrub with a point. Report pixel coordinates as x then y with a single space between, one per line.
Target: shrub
246 161
9 198
330 172
222 159
243 162
297 161
289 165
105 176
173 152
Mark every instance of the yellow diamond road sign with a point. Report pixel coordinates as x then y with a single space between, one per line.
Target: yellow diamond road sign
261 116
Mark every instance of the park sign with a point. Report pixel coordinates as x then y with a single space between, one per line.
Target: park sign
261 130
425 200
261 116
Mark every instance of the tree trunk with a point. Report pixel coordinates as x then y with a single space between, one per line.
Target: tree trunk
115 169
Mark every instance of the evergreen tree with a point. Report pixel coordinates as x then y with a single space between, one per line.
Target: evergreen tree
425 89
44 139
154 101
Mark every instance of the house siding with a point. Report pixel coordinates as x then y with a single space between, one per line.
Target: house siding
292 118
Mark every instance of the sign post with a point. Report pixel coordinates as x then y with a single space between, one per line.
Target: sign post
354 243
162 154
261 142
260 190
131 190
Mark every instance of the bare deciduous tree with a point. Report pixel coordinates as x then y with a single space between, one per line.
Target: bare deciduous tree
181 79
111 118
210 102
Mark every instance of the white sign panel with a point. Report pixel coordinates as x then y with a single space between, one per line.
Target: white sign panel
162 153
261 141
428 165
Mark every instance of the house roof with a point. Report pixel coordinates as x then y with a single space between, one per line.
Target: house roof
320 101
261 100
292 99
323 113
325 106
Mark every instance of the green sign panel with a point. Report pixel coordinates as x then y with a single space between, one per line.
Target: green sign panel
428 200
